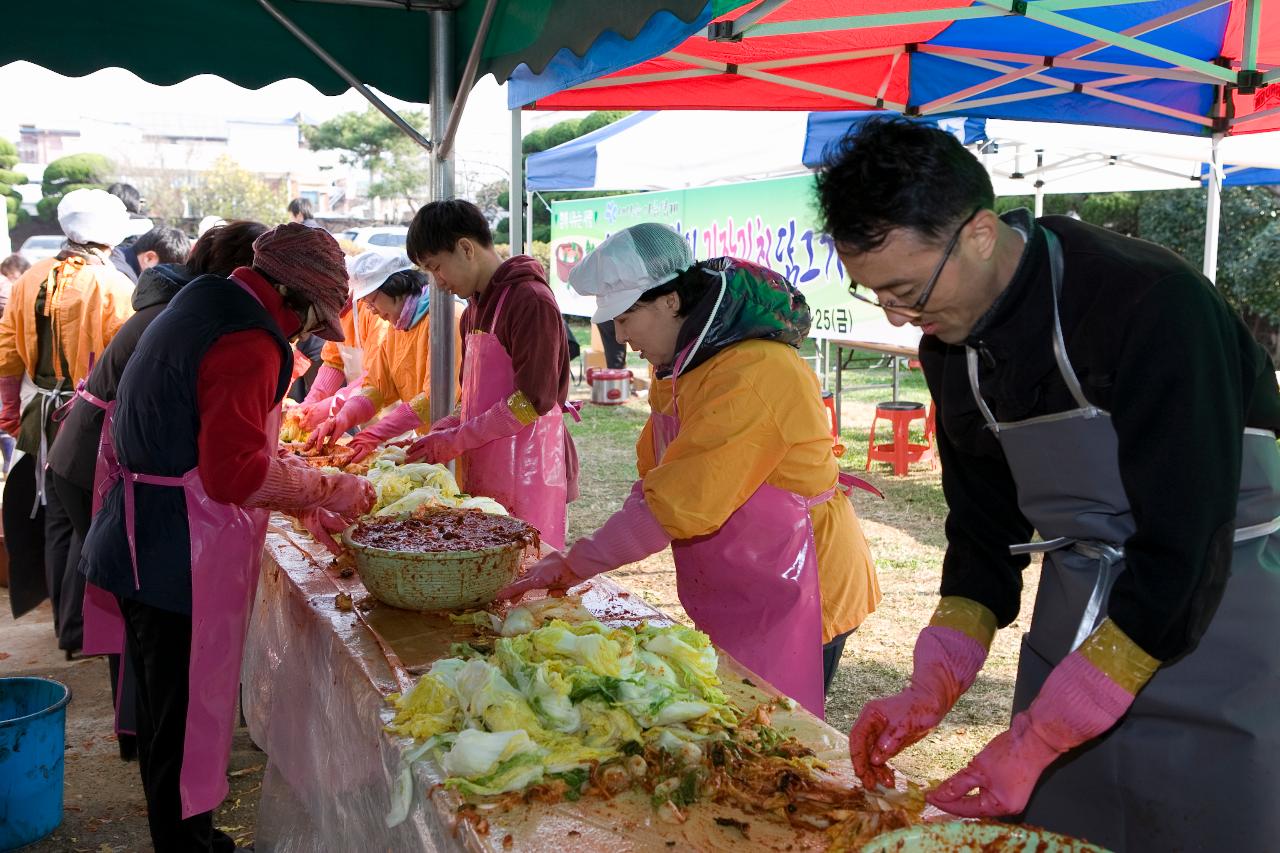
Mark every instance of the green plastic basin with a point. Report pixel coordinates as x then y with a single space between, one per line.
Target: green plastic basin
436 580
955 836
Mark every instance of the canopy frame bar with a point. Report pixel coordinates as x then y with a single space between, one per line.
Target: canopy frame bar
749 20
1036 61
763 76
1236 122
1075 53
445 146
351 80
1126 42
397 5
721 68
1252 28
1095 89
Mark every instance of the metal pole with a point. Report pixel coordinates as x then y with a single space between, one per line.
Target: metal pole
348 77
1214 212
515 219
468 80
839 382
528 211
1039 184
443 359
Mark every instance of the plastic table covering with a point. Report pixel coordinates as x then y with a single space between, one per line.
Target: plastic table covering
315 682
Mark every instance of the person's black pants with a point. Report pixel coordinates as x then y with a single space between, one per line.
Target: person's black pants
615 354
62 577
158 643
78 504
831 653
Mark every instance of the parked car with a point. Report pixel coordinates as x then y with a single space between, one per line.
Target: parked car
388 239
40 246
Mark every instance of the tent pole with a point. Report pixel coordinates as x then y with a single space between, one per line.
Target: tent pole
528 211
443 358
1039 185
1214 213
515 190
468 80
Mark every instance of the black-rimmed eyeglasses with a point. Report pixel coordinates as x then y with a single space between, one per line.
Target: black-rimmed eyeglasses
923 300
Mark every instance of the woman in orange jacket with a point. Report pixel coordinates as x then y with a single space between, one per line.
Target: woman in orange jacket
61 314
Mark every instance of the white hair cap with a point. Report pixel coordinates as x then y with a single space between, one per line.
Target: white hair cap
369 270
628 263
93 216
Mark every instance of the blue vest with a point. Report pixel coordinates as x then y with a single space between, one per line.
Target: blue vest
156 430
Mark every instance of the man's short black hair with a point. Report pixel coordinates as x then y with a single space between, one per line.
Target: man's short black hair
892 173
438 226
170 245
128 194
300 207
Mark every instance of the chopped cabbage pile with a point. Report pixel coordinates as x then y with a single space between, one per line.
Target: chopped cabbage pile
553 699
291 429
403 486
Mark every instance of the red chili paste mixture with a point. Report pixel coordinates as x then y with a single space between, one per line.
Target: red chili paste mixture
444 529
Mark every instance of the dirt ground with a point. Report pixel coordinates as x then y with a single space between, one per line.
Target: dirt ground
105 810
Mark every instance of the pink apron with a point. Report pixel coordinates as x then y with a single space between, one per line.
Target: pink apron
752 586
526 472
226 557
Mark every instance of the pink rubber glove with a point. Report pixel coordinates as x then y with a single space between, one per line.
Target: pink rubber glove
295 489
328 380
398 421
11 403
444 444
354 412
322 524
946 663
1078 702
629 535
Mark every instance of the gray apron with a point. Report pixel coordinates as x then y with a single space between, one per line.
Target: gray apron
1195 763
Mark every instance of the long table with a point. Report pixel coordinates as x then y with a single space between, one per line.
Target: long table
316 681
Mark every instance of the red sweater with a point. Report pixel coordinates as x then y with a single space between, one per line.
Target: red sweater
237 386
530 328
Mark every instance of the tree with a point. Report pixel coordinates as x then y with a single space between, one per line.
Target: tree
398 168
73 172
8 180
233 192
1248 256
549 137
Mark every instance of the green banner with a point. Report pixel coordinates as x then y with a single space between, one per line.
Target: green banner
771 223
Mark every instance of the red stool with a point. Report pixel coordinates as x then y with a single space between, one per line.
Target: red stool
930 426
900 451
829 400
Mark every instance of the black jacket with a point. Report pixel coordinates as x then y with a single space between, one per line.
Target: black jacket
1155 345
75 451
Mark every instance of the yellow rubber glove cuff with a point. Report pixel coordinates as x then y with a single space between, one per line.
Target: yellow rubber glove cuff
1120 659
520 406
375 397
966 616
421 406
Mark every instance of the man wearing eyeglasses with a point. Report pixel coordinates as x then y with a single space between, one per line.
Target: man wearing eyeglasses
1096 390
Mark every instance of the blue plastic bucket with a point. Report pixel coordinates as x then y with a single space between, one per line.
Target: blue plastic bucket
33 722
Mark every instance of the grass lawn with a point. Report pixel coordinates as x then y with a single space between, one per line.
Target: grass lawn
907 540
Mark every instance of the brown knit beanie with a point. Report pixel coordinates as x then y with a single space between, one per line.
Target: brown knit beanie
309 261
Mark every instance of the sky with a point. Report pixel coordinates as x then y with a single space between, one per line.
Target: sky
35 95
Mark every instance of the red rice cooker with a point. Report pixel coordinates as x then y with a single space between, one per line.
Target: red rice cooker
609 386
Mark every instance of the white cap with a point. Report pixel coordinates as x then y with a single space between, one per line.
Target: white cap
628 263
207 223
93 216
369 270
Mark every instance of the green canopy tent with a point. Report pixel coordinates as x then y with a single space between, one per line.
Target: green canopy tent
428 51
